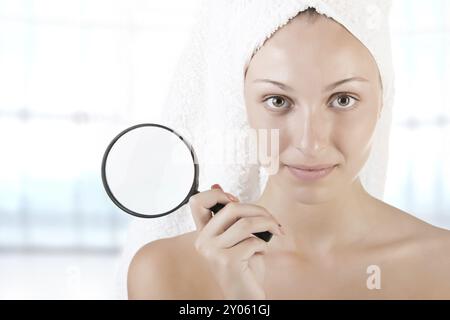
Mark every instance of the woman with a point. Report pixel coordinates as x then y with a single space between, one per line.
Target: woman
332 239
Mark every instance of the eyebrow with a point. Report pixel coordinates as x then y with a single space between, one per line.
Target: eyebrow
327 88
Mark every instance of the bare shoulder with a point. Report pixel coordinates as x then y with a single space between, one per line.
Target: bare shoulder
167 268
433 250
151 271
422 251
418 231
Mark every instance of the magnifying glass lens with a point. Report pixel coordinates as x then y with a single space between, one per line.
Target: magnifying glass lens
149 170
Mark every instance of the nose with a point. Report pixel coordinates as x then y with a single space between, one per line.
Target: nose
311 133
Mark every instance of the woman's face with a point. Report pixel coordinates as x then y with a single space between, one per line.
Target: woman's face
321 119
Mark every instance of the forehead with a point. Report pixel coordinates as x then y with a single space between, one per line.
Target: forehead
320 48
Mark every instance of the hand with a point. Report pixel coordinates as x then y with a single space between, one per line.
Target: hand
225 240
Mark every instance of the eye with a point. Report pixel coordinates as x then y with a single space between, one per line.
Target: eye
277 102
344 101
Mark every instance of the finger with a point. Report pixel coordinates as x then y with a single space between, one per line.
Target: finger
244 227
245 249
201 202
232 212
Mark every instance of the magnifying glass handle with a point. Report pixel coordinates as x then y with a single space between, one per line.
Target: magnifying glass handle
265 235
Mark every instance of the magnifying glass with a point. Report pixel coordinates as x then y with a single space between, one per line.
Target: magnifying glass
149 171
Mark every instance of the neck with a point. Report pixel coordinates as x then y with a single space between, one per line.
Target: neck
314 229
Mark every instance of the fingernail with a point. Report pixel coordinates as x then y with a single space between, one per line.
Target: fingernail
216 186
232 198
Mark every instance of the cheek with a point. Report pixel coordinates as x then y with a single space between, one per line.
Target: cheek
269 143
260 117
252 116
354 136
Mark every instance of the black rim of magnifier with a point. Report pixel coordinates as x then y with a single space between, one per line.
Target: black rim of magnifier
192 191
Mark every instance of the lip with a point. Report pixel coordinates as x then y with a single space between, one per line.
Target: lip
315 167
318 172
